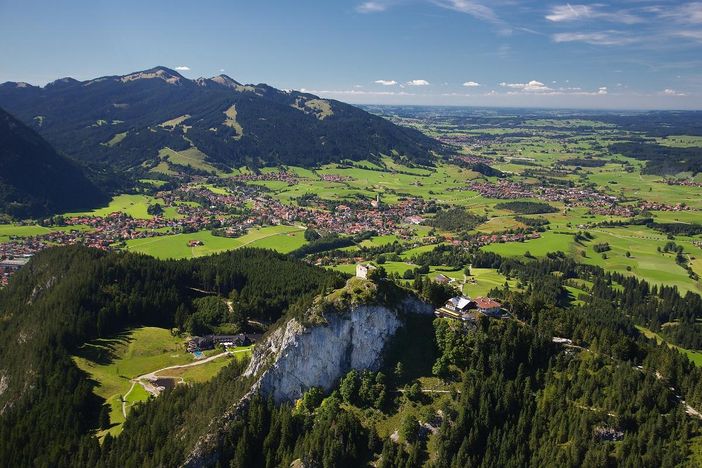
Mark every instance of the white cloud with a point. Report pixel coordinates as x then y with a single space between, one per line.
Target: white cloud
355 92
371 7
672 92
471 84
688 13
474 8
569 13
386 82
532 86
418 83
690 34
595 38
182 68
602 90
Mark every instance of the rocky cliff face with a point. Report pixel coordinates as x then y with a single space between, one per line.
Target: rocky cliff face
296 357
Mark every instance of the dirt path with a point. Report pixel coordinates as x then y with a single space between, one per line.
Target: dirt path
124 400
146 380
691 411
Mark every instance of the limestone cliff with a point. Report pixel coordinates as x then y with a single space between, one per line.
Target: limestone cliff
298 356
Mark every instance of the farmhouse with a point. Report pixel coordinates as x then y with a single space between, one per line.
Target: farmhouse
459 304
442 279
465 309
200 343
457 308
488 306
195 243
363 270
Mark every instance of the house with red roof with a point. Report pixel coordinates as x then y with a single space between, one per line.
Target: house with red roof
488 306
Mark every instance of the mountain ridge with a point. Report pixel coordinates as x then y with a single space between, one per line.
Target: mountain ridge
125 121
34 179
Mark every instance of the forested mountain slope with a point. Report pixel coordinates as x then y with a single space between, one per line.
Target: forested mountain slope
66 296
514 397
34 179
126 120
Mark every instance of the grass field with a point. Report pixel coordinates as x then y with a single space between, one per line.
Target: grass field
14 230
189 157
485 278
133 205
694 356
390 181
281 238
112 362
645 261
548 242
205 372
642 243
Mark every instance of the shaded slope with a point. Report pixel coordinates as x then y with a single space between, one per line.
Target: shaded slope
34 179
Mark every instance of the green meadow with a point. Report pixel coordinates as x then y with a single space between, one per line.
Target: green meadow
694 356
281 238
133 205
112 362
7 231
642 243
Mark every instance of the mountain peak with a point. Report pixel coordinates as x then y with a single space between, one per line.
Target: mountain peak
160 72
225 80
16 84
63 82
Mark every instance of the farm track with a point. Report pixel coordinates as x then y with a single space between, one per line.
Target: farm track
145 380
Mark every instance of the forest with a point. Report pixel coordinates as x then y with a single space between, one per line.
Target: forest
661 160
69 295
609 399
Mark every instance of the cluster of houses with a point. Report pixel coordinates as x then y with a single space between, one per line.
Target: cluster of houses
574 196
279 176
9 266
203 343
466 309
216 210
629 211
683 182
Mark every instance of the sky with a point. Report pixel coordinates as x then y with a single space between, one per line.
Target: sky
625 54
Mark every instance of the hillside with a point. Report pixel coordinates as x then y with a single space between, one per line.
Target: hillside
34 179
127 121
376 385
67 296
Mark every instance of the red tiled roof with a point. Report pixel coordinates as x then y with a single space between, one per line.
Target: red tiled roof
486 303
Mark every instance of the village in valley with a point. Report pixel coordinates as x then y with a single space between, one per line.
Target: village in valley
520 188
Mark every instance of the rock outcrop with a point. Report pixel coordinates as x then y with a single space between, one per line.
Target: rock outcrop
296 357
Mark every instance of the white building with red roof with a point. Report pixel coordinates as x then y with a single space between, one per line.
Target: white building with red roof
487 306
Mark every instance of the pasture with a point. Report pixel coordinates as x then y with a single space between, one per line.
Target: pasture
281 238
112 362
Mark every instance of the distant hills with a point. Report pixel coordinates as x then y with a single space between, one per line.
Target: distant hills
157 118
34 179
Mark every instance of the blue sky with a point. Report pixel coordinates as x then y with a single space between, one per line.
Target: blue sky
617 54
